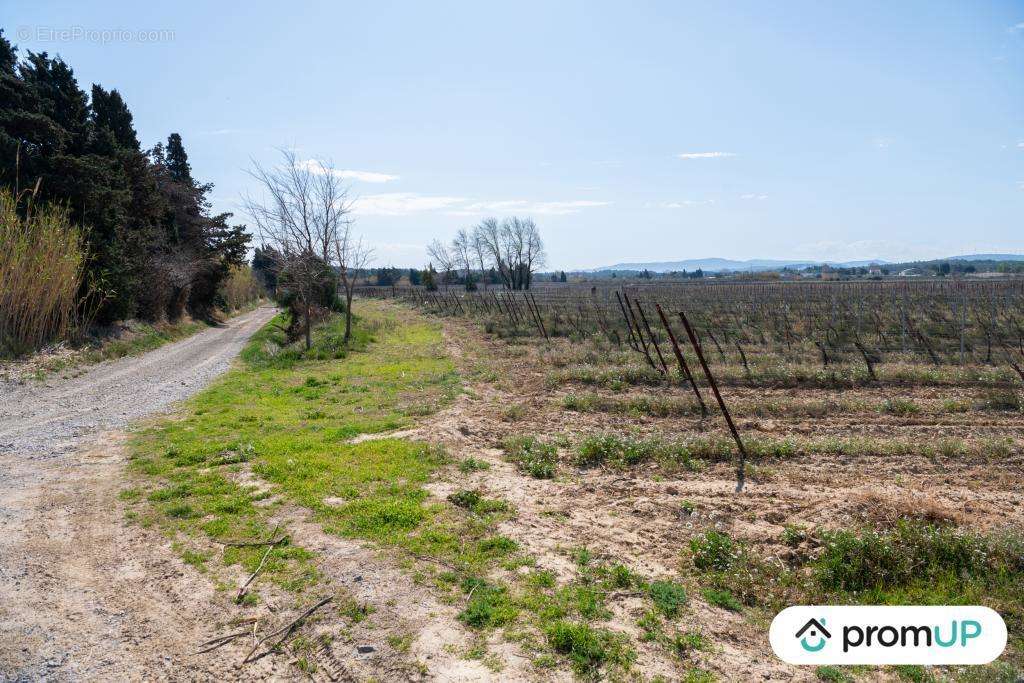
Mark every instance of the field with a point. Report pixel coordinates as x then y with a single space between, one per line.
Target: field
509 495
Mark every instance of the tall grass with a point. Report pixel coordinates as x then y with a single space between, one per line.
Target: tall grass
41 267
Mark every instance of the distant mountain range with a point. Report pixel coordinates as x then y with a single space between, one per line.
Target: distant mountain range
717 265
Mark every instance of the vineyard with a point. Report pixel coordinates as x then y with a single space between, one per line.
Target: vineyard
966 331
755 445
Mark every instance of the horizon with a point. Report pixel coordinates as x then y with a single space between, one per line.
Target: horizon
749 132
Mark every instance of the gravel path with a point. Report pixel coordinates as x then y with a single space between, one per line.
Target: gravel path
83 596
46 420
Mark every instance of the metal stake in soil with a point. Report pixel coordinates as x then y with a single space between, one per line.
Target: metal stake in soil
741 468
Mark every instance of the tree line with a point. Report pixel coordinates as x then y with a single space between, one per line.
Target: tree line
151 246
509 251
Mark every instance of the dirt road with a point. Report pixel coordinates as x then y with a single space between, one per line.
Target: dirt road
77 599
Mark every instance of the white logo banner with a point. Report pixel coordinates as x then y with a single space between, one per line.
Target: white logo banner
887 635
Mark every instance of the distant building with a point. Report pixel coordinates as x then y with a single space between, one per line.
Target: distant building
911 272
828 273
874 270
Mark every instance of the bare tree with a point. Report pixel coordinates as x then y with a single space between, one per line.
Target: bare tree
439 253
353 257
301 213
513 247
462 254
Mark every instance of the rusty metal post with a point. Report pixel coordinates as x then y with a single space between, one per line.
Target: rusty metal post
639 332
741 468
629 325
539 318
684 368
654 342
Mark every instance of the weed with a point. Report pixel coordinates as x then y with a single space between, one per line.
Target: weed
713 550
531 456
587 648
720 597
900 406
668 597
473 465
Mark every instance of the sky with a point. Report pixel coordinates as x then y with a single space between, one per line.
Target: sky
629 131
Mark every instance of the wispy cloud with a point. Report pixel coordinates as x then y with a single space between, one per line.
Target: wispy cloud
406 203
526 206
367 176
223 131
705 155
403 203
882 142
1017 27
678 204
348 174
754 195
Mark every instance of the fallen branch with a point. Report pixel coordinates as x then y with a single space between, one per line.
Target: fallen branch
245 586
284 632
219 641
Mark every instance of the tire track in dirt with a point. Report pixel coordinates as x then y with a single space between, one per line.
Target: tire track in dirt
83 596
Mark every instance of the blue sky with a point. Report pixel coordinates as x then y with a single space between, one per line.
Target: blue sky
629 131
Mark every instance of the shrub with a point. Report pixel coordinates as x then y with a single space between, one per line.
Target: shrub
531 456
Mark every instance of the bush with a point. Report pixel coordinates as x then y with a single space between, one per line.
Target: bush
240 288
531 456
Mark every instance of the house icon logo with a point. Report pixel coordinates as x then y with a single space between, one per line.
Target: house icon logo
814 631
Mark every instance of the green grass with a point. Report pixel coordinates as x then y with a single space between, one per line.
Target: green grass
289 414
531 456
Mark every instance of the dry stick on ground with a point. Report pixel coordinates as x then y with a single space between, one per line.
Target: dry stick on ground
741 468
684 368
284 632
220 641
245 586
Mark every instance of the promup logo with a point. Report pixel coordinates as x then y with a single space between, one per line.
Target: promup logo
887 635
817 630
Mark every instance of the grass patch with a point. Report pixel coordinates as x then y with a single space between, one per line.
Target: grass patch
531 456
289 414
